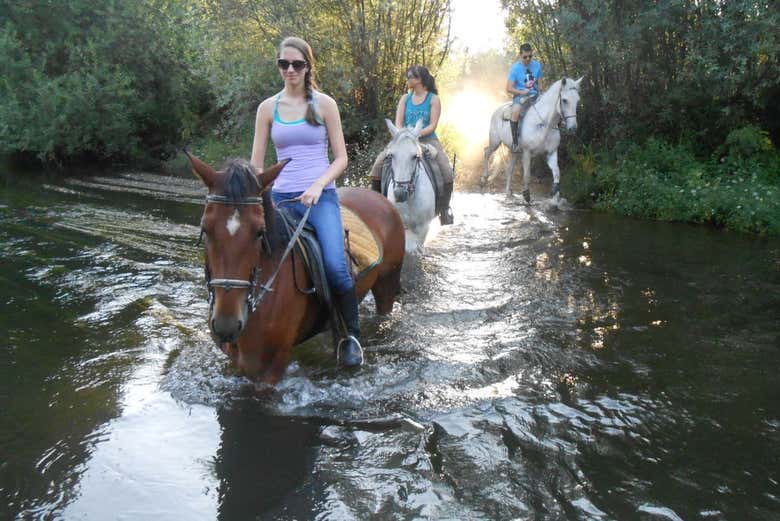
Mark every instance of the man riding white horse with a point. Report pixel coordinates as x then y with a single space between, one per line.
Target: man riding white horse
525 84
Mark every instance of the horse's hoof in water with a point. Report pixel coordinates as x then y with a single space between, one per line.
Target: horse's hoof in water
349 352
527 196
556 190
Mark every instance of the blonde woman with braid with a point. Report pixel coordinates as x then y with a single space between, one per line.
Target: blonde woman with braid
301 121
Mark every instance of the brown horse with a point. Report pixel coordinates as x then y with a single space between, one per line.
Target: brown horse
254 317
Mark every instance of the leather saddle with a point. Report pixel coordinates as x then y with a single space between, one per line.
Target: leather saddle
361 247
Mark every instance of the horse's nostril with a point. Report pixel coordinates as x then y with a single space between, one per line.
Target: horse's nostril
212 324
240 325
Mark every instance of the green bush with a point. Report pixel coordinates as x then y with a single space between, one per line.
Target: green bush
83 79
657 180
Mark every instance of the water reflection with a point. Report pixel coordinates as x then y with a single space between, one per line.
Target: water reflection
540 364
264 463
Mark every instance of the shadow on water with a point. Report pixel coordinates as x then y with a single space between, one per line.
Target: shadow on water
540 364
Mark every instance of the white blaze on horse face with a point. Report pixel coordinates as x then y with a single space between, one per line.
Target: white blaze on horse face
233 224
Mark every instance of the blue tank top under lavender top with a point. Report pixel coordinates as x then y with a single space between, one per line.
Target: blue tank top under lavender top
307 145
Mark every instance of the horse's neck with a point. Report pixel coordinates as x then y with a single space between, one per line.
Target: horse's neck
546 106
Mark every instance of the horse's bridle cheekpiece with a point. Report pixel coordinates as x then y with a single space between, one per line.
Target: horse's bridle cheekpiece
411 183
253 298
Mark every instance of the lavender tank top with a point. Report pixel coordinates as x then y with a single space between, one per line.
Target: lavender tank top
307 145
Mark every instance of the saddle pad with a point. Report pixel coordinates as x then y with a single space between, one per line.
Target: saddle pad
361 245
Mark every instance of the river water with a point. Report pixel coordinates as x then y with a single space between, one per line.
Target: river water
540 365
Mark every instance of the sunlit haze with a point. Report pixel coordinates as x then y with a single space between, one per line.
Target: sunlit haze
478 25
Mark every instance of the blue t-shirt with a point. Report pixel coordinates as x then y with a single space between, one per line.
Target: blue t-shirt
526 77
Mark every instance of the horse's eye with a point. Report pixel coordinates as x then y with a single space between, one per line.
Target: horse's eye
565 101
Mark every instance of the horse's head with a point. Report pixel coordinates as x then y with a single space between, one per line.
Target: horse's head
235 235
404 153
568 100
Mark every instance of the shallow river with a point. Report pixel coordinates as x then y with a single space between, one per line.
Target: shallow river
541 365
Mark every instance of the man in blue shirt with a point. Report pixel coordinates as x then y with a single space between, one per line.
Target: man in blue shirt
525 84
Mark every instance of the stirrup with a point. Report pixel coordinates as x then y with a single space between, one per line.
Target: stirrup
353 352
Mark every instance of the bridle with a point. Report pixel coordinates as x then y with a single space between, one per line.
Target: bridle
559 108
253 296
412 182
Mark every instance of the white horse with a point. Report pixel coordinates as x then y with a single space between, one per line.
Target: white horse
409 187
539 133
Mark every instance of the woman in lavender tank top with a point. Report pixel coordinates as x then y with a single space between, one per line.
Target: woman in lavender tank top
301 121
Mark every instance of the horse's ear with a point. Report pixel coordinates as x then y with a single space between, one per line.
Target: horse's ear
392 128
417 128
563 81
271 173
203 171
577 82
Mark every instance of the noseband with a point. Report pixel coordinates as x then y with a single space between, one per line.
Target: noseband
253 297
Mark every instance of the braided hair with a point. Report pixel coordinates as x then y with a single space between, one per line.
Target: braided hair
309 84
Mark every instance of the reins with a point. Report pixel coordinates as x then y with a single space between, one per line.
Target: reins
253 297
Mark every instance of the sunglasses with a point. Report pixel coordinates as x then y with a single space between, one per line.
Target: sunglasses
297 65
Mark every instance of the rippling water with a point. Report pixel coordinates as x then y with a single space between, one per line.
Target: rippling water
541 364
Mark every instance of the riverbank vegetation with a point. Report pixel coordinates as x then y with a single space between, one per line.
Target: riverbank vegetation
678 118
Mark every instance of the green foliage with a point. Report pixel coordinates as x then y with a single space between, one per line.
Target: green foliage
681 69
361 48
93 79
746 142
667 182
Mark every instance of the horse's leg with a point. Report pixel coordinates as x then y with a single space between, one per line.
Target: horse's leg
385 289
509 171
552 162
489 150
410 241
526 174
279 363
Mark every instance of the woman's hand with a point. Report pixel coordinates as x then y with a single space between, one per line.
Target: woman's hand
312 194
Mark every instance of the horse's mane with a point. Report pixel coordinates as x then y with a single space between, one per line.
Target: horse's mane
240 182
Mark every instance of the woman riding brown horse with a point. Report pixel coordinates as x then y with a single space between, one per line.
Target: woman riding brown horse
257 310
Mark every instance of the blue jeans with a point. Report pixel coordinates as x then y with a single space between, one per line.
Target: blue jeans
325 217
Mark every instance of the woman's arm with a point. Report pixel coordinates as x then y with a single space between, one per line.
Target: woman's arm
330 114
400 112
435 115
262 130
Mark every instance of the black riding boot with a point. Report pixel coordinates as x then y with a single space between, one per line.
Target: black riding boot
446 217
376 185
515 131
349 352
